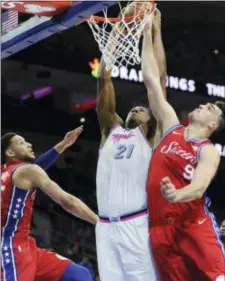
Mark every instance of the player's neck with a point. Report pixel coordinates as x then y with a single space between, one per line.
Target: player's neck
16 160
12 160
195 131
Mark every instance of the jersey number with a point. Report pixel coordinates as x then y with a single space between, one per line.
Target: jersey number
188 172
124 151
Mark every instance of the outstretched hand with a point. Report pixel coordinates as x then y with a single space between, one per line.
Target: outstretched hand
153 23
168 190
71 137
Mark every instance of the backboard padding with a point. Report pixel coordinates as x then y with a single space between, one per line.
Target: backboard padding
39 28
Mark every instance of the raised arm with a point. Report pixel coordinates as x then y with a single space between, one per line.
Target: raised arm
160 57
209 161
29 176
106 105
47 159
158 49
161 109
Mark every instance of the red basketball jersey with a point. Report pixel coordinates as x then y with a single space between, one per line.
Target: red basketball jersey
175 157
22 260
16 205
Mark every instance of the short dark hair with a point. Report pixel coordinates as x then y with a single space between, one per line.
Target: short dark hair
221 106
5 143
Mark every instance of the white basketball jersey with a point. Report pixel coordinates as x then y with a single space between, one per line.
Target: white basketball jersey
122 172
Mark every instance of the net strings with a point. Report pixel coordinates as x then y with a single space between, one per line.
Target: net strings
119 42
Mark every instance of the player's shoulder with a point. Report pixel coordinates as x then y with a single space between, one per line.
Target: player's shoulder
200 143
25 169
110 132
22 176
176 130
10 167
209 151
115 129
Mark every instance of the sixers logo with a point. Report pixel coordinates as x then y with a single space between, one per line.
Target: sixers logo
35 9
29 8
175 148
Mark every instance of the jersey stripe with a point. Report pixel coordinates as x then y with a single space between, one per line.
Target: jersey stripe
145 138
167 133
15 213
214 225
9 270
195 141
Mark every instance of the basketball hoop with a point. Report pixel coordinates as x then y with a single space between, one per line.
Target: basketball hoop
118 38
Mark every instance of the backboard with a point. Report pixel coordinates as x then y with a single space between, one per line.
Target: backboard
39 26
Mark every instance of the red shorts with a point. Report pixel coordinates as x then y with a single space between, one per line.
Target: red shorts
188 251
26 262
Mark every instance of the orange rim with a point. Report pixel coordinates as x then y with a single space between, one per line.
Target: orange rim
118 19
102 19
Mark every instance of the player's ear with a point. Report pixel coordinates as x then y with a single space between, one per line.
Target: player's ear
9 153
213 126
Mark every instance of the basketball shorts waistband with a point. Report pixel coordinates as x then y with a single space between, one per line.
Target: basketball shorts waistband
123 217
179 220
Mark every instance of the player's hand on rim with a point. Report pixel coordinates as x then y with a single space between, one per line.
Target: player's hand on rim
156 24
168 190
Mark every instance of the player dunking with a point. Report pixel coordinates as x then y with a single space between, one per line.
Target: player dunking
21 259
122 232
184 235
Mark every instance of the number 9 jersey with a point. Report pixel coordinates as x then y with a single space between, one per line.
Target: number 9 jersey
122 172
175 157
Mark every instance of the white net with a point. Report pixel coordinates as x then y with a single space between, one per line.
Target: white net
118 39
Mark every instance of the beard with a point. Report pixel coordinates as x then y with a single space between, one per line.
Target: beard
28 159
132 123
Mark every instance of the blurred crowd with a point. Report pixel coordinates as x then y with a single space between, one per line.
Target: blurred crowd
194 56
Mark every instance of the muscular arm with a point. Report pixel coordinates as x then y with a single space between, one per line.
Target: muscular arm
29 176
160 57
106 105
159 51
47 159
161 109
204 173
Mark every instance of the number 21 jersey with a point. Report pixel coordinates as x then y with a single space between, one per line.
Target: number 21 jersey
122 172
175 157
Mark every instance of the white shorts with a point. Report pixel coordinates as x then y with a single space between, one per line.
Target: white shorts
123 251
